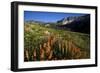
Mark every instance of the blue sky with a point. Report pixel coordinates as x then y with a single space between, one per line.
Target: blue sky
47 16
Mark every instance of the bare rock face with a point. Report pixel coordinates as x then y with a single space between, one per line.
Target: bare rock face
76 24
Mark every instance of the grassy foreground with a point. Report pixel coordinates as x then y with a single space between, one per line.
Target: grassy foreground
44 43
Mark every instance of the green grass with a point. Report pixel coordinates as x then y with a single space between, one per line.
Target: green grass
34 35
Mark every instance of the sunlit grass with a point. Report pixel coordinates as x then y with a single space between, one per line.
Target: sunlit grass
44 43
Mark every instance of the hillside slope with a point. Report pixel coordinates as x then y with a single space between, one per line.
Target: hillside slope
44 43
76 24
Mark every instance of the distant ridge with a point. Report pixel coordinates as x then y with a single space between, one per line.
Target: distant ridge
72 23
77 24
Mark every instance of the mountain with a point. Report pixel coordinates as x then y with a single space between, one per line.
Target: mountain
33 22
66 20
76 24
46 24
71 23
